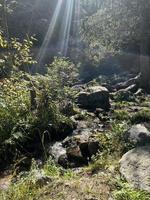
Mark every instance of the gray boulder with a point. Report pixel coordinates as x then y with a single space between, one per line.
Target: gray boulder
135 167
137 135
94 97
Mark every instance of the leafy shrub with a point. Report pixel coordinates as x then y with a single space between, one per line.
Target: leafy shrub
15 55
17 119
62 74
14 105
31 106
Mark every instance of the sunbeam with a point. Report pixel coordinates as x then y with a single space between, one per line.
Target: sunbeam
76 26
71 9
65 27
49 33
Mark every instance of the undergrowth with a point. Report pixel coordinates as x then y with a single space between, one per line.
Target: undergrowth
28 186
124 191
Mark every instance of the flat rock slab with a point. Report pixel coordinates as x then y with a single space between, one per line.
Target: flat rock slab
135 167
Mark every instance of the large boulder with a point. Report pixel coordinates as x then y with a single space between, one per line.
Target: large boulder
135 167
94 97
137 135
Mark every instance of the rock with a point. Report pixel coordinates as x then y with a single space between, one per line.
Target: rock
135 167
5 182
99 111
75 156
71 141
58 152
63 161
80 149
62 131
93 147
132 88
137 135
94 97
128 84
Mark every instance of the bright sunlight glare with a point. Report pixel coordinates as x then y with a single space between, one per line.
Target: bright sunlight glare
64 34
49 33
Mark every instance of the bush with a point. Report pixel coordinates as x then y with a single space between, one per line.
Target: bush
14 105
31 106
62 74
15 56
22 115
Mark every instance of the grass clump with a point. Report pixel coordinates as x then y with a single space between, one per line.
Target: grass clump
141 116
124 191
27 186
112 147
121 115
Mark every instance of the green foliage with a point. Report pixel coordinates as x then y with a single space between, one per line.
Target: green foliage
26 186
121 115
113 146
125 192
141 116
107 33
51 169
29 104
113 139
14 105
62 74
17 119
122 104
124 96
22 59
15 56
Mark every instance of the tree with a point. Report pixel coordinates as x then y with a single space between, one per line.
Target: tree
122 26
